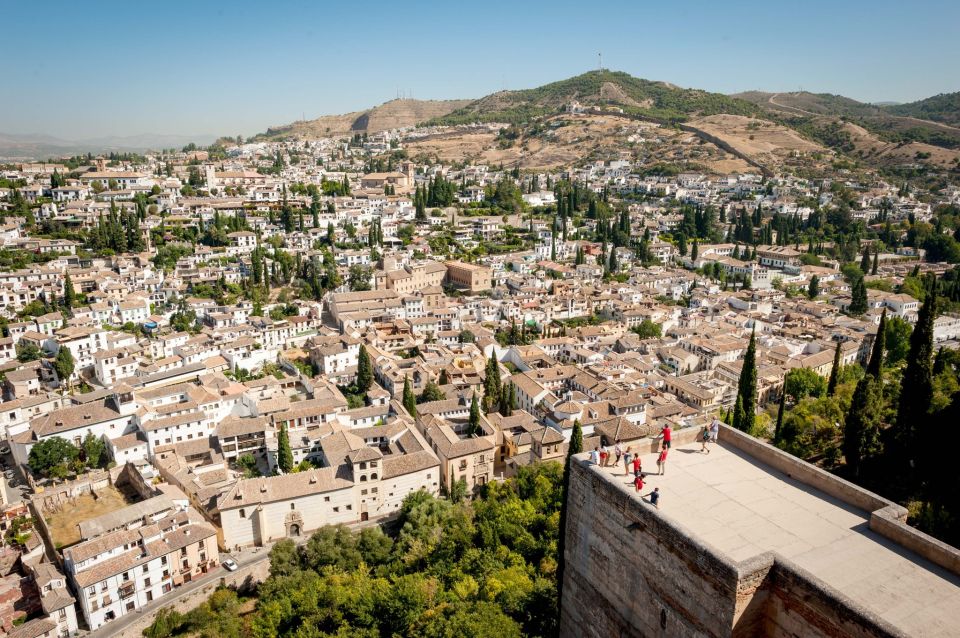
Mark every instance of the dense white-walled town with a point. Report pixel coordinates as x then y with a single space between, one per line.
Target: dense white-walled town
207 350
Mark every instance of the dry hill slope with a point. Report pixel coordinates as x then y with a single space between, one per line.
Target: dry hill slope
390 115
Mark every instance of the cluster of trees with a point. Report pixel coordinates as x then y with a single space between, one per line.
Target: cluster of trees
118 232
436 192
514 335
884 425
57 458
485 569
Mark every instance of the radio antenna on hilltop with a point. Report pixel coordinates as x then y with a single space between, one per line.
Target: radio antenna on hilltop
600 61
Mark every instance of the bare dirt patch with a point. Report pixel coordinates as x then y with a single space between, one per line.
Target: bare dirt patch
757 139
871 146
64 520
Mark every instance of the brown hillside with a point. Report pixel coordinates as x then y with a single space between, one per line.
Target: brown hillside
390 115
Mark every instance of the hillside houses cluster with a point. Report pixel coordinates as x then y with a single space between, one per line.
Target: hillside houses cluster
197 388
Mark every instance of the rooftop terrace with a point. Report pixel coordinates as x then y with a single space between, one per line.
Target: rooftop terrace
742 507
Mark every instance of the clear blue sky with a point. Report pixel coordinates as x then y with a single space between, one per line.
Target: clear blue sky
86 69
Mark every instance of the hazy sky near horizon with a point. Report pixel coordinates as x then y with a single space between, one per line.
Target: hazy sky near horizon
81 70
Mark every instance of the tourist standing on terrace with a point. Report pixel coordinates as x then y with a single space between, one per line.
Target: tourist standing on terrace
627 459
662 459
667 435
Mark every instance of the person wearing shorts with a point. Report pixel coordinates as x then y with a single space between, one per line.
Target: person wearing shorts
627 460
667 435
662 460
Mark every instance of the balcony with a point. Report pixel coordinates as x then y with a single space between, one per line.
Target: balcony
127 590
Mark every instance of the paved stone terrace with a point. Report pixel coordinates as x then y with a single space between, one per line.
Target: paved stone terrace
743 508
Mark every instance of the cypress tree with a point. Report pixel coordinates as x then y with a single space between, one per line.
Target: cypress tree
444 379
409 401
916 385
738 413
575 447
694 251
364 370
834 372
505 408
779 426
747 388
865 261
861 431
68 293
813 290
858 301
284 453
491 384
876 357
873 269
474 422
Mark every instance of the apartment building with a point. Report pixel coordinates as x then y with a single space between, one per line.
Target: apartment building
121 571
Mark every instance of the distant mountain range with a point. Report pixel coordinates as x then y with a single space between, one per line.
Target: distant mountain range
37 146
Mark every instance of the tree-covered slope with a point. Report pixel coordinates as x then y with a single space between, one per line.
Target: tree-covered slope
598 89
944 108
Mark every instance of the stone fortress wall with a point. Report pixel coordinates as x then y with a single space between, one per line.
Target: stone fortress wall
632 571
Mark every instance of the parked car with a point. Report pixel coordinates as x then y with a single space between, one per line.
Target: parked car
230 565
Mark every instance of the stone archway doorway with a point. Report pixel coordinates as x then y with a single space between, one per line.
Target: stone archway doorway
294 530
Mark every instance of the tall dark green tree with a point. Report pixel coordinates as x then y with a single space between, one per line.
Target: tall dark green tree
409 400
861 431
473 426
68 293
284 452
875 366
747 388
491 383
858 297
865 260
364 370
834 372
575 447
779 426
916 385
813 290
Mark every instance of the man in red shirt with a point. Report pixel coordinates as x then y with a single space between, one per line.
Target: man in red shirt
667 435
636 466
638 482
